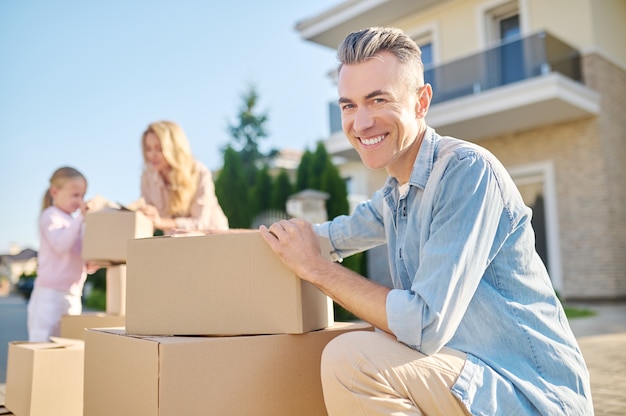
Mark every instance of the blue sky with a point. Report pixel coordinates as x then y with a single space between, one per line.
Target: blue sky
80 80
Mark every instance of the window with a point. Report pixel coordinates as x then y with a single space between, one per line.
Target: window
509 28
505 60
503 23
536 183
425 43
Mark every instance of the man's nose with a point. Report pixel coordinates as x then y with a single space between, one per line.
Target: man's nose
363 119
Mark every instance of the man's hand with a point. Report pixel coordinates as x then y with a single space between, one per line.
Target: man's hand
297 245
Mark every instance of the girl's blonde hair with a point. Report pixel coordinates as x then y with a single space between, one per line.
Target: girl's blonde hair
58 178
182 178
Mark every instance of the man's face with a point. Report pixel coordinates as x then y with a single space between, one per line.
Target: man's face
381 117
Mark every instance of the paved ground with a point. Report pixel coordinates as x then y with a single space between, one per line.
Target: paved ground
602 339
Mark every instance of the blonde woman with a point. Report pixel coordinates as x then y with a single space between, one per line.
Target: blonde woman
178 189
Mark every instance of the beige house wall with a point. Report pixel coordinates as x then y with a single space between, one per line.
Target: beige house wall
589 159
587 25
609 30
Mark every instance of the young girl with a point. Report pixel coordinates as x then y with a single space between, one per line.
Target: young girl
61 272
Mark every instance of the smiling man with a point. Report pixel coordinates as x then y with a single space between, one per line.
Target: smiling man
472 324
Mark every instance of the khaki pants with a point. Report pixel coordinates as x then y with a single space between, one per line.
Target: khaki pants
371 373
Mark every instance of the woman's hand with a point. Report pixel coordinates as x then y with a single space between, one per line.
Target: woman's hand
150 211
158 222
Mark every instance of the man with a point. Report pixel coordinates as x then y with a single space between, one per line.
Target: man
472 324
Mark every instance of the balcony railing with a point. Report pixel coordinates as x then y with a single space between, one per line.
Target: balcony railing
509 62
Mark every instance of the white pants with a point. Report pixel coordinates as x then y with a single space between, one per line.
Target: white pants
45 309
371 373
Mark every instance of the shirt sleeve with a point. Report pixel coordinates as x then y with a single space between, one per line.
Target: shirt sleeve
205 212
460 233
61 234
360 231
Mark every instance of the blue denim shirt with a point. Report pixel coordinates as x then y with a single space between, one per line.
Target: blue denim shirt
466 275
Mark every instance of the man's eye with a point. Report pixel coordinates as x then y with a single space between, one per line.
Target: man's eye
345 107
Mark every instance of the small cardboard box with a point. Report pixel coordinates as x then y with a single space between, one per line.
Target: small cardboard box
224 284
74 326
273 375
107 233
45 379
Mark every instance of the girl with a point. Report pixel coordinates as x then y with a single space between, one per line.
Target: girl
178 189
61 272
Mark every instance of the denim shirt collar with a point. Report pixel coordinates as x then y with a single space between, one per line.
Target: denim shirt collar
423 165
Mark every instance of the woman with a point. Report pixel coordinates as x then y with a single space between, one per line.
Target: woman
178 190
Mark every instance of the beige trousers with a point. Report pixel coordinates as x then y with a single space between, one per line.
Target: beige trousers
371 373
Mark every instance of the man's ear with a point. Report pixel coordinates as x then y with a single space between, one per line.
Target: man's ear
424 95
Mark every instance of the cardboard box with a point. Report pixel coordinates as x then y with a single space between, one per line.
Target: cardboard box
116 290
225 284
45 379
272 375
74 326
107 233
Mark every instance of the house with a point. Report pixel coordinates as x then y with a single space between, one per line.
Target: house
13 265
542 85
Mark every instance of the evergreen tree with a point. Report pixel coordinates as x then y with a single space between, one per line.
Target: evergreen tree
247 133
262 192
316 171
335 186
232 190
281 191
304 172
319 163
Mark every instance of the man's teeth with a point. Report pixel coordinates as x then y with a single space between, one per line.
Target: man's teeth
373 140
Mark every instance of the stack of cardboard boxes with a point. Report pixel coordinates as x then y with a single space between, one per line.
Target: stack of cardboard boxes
47 378
214 325
107 232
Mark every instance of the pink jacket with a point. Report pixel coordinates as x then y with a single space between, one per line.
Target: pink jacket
60 265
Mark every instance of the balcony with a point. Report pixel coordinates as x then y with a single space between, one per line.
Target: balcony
518 85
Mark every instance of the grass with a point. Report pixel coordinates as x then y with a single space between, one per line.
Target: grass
573 313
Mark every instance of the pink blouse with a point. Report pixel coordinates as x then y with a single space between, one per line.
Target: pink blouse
205 212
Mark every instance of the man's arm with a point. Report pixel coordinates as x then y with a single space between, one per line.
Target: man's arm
297 245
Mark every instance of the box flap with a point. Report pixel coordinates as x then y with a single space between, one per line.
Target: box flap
57 343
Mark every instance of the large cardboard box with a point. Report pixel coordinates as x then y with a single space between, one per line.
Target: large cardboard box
107 233
273 375
226 284
45 379
74 326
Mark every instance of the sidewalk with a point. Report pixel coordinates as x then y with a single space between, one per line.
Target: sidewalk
602 339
